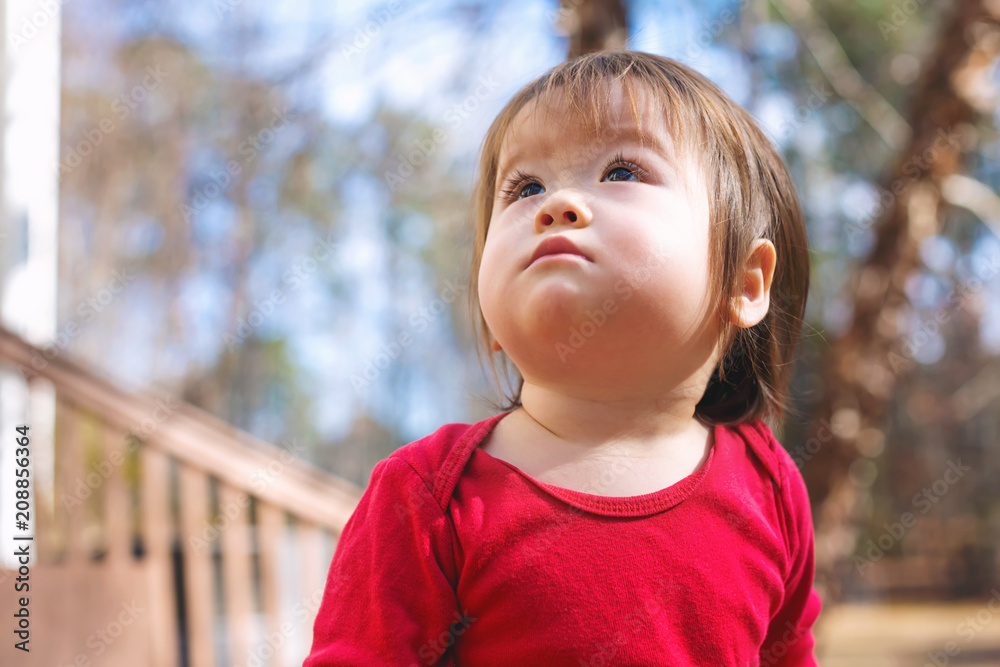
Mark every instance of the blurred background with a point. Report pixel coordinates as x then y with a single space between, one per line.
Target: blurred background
234 264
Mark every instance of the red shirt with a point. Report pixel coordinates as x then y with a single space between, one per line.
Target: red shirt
454 557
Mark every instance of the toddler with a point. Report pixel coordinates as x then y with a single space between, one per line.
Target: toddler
640 257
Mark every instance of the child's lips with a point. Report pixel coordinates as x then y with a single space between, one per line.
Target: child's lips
557 246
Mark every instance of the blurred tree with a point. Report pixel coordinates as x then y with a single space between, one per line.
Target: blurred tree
864 366
180 181
212 185
593 25
153 197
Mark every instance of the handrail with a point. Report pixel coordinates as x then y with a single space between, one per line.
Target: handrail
197 438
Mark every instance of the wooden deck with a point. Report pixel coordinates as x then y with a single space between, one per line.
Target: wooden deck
266 563
171 538
911 635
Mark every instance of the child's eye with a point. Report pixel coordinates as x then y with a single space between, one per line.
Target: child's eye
520 185
622 174
620 169
531 189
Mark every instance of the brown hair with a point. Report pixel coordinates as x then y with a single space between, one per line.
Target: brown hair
751 196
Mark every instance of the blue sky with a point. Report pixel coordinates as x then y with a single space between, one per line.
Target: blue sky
418 59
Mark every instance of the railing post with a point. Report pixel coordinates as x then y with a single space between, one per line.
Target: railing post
271 534
117 499
196 547
157 525
72 491
237 580
312 577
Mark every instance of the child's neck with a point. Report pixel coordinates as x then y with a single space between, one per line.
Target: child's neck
573 443
646 423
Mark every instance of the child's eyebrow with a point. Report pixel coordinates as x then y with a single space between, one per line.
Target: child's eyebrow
631 134
615 133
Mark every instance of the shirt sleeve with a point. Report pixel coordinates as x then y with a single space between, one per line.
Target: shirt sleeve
790 641
388 598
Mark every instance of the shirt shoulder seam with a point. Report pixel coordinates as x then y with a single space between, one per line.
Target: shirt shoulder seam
787 511
429 487
449 526
777 469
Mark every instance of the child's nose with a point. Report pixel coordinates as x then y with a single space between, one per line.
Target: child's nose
564 207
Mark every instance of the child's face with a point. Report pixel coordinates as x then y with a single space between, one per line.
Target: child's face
636 312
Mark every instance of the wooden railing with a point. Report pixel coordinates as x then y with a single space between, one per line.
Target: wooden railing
228 536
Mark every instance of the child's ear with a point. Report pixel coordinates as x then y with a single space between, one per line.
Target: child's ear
753 301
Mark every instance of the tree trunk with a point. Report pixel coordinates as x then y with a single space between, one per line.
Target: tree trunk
593 25
864 366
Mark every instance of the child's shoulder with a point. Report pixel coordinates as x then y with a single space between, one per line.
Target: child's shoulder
440 457
765 447
791 493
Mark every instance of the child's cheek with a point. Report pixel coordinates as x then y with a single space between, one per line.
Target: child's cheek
623 289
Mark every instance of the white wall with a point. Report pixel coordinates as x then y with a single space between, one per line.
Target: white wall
29 190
